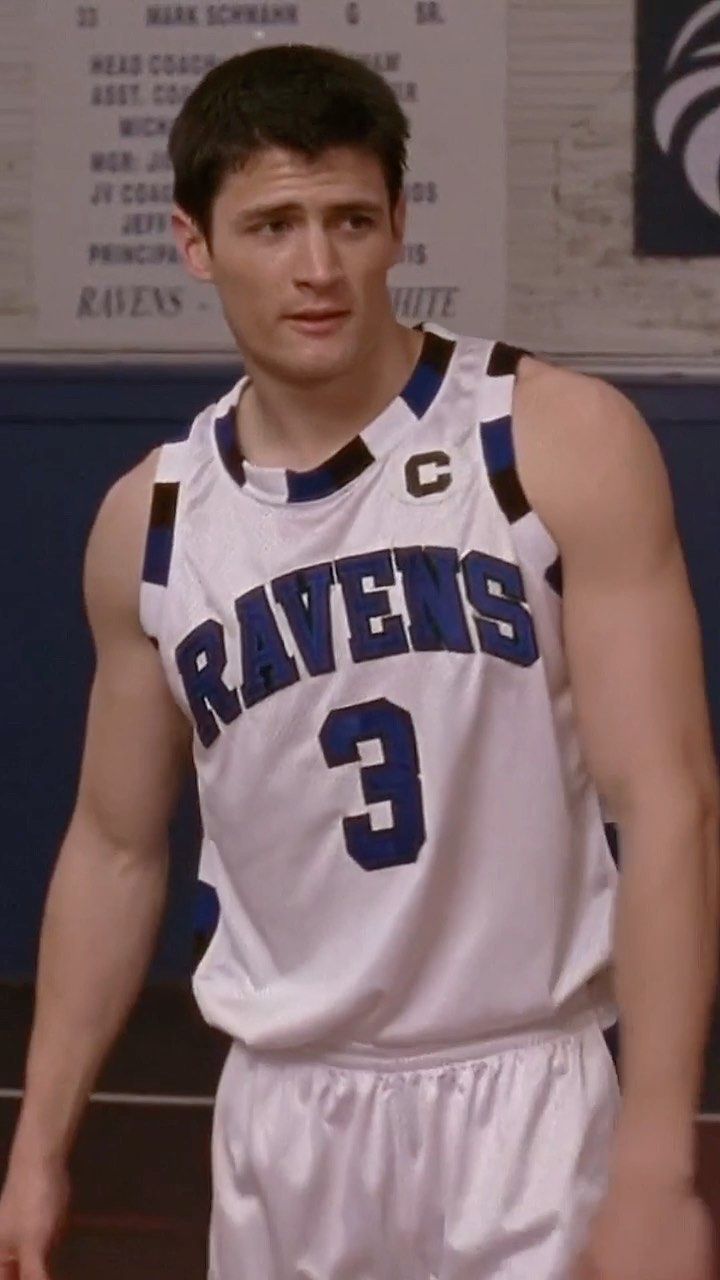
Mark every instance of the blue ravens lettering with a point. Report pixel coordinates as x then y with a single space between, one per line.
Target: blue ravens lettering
467 604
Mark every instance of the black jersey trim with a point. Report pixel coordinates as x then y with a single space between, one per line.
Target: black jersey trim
344 466
226 437
429 373
348 463
499 453
504 360
161 533
554 576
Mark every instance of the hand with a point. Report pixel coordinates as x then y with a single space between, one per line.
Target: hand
649 1230
32 1211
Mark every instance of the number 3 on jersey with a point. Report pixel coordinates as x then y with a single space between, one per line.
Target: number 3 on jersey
396 779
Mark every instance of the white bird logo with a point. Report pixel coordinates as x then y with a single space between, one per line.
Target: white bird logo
701 158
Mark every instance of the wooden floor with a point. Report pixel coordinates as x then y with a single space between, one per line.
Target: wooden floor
141 1173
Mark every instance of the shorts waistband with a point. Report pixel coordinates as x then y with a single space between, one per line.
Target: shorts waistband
375 1058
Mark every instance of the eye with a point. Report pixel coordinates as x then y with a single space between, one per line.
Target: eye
272 228
360 221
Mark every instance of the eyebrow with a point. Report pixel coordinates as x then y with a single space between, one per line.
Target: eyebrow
266 212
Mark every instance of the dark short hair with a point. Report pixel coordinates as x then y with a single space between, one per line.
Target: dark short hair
301 97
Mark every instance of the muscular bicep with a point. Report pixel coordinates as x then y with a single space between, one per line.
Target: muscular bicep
136 748
137 741
636 671
630 625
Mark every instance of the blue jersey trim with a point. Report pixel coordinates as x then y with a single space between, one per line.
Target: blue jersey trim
498 446
161 532
344 466
429 373
499 453
349 462
226 437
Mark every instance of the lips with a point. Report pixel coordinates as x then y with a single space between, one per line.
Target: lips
318 322
318 315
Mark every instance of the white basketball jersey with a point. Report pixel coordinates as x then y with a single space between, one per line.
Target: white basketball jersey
407 847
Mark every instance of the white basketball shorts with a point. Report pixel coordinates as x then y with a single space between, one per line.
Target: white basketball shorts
488 1167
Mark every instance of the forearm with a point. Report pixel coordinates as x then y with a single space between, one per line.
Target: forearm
100 925
666 945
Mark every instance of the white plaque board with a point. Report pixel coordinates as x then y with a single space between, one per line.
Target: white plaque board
111 78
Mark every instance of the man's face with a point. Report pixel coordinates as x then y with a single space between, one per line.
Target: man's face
299 256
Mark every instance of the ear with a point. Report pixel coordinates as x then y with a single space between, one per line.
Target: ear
399 222
192 245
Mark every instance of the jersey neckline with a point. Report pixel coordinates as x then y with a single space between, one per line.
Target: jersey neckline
281 485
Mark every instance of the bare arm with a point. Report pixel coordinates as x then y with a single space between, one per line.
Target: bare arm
636 668
108 889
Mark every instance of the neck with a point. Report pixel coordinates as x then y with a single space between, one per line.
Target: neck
290 425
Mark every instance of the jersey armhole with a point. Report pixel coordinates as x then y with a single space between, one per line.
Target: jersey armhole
533 539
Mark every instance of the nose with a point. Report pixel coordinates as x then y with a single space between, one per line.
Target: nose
317 263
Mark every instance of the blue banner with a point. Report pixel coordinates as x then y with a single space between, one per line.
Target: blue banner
677 170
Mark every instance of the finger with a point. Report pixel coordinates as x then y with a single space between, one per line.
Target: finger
32 1266
8 1266
33 1271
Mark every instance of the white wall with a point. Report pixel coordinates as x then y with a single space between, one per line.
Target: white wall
573 287
16 113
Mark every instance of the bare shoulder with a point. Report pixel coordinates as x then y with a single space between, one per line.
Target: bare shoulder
138 741
116 546
582 446
544 390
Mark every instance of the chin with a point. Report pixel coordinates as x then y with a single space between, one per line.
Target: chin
314 366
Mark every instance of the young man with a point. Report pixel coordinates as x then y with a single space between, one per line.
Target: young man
419 601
